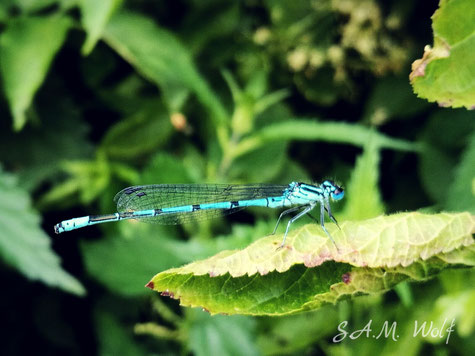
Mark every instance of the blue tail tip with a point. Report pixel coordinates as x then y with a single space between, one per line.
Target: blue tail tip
58 228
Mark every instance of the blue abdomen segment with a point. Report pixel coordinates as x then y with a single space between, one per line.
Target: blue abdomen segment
77 223
170 215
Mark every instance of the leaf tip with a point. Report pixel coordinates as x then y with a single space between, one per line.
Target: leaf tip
150 285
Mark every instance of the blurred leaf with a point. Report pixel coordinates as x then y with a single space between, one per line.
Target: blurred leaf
374 255
295 333
95 15
88 180
160 57
30 6
309 130
23 245
364 200
255 166
124 263
28 154
113 337
392 97
208 21
25 58
320 87
445 133
460 196
444 74
138 134
220 335
459 306
165 168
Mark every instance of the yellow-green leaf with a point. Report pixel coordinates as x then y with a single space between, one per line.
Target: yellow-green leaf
372 256
445 73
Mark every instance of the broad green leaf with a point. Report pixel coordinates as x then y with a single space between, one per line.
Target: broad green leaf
23 245
445 72
363 198
138 134
310 130
159 56
373 256
27 48
94 17
460 196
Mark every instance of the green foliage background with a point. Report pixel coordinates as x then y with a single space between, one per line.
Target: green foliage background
99 95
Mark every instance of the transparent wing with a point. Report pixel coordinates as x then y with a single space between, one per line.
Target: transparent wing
159 196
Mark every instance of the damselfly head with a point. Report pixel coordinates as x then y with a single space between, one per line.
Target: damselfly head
336 192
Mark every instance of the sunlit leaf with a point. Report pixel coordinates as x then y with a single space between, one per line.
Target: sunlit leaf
445 73
372 256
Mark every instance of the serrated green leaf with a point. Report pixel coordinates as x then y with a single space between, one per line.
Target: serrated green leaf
94 17
25 57
364 200
310 130
372 256
159 56
23 245
445 73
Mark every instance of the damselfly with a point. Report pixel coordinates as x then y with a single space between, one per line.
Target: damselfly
172 204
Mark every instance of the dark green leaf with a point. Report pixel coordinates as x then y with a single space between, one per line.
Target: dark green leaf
23 245
138 134
460 195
